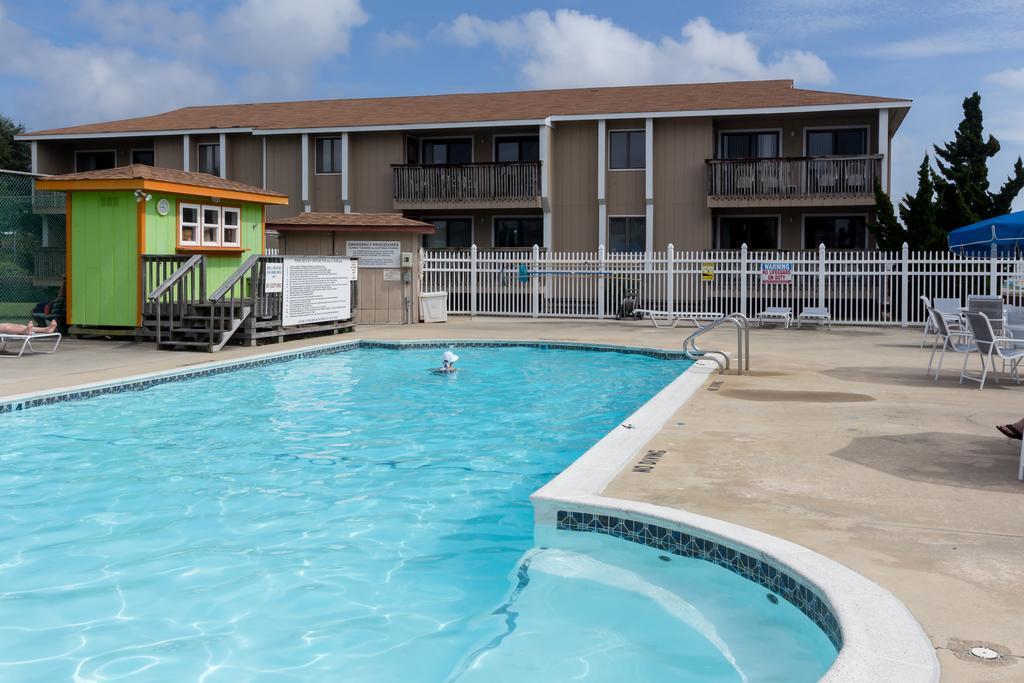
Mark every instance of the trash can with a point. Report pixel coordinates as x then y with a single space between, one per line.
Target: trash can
434 307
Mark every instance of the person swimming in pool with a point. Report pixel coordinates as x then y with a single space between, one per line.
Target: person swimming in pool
448 363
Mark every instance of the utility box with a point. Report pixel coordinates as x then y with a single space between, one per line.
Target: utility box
434 307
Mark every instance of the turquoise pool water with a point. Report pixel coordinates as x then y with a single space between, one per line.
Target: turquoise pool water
352 517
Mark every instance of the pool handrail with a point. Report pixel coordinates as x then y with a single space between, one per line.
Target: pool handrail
742 324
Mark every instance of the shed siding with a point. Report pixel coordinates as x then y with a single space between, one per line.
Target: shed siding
104 263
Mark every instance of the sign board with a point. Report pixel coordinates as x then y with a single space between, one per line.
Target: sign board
776 273
707 271
273 282
316 289
392 275
375 253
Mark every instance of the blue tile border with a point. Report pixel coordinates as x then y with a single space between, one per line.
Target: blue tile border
685 544
139 384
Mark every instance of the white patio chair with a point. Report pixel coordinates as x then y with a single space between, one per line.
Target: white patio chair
669 319
955 340
989 347
815 314
24 342
929 326
783 314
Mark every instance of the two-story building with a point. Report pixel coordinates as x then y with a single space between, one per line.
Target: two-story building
700 166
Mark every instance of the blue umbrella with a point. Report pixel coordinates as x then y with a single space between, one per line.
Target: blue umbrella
976 239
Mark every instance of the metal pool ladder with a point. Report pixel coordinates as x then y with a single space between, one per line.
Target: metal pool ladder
721 358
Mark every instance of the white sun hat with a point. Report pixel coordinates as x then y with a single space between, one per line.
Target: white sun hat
449 356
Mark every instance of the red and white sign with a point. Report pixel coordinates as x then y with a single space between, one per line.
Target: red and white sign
776 273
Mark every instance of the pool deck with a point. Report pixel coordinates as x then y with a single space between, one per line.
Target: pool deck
836 441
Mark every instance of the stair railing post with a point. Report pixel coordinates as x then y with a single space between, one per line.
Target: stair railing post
602 266
473 272
905 286
821 275
670 284
743 278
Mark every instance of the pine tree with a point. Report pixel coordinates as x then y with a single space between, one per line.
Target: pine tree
14 155
889 234
961 182
919 213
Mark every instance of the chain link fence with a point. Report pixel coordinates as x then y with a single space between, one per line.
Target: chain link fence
31 248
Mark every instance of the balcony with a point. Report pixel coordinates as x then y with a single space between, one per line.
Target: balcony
500 185
793 181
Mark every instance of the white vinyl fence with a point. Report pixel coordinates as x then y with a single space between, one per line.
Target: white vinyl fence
858 287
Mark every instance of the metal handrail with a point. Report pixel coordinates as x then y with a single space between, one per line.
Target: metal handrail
742 324
175 276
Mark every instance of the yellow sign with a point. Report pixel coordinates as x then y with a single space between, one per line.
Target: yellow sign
707 271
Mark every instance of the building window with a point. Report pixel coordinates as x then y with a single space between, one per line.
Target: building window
627 149
143 157
450 233
449 151
519 232
328 155
95 161
627 233
757 232
835 232
188 224
232 222
750 145
839 142
524 148
412 150
209 158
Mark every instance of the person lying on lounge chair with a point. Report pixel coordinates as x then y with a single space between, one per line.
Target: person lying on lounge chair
30 329
1013 431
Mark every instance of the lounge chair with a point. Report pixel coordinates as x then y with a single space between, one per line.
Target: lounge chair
989 347
815 314
775 314
947 339
25 341
671 319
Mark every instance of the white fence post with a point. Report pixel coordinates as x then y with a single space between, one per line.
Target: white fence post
905 286
472 280
602 266
535 283
743 279
670 273
994 271
821 275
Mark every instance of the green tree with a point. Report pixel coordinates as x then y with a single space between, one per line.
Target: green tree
919 213
961 182
889 234
14 155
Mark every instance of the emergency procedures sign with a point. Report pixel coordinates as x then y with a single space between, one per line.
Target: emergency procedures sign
316 289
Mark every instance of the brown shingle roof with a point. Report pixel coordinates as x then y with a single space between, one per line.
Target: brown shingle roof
167 175
501 106
351 222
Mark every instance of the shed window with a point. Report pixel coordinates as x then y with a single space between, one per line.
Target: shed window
189 224
231 225
328 155
211 226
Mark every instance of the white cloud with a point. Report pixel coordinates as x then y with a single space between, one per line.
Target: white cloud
386 42
1008 78
95 82
569 48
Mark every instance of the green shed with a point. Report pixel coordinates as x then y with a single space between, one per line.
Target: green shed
116 216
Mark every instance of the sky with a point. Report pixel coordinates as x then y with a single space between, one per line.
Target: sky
80 61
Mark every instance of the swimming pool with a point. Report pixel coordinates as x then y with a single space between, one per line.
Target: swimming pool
352 517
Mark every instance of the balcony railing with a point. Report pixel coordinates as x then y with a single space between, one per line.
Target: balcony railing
793 177
467 183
